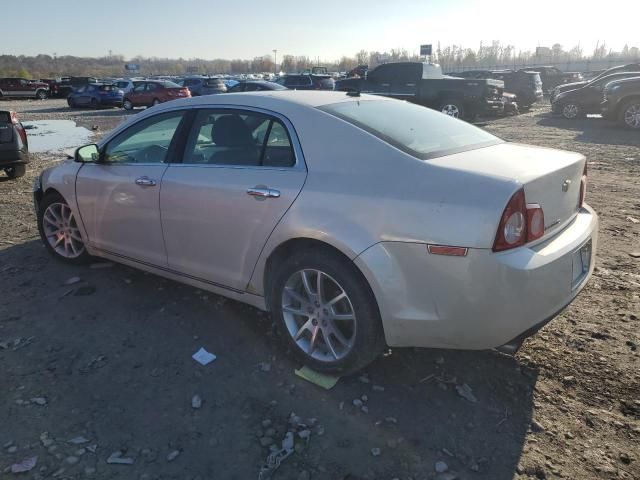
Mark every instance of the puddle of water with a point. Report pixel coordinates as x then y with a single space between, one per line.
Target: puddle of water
55 135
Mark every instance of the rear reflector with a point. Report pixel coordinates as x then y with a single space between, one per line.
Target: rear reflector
447 250
535 222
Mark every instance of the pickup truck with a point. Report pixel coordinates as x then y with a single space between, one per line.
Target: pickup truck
23 88
424 84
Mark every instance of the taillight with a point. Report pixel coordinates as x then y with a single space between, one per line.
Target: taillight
583 186
18 126
512 231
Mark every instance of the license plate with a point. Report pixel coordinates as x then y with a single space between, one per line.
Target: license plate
581 264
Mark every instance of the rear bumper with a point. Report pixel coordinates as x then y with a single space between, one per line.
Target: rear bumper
481 301
12 157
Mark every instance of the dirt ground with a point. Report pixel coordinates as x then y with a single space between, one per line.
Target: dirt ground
106 370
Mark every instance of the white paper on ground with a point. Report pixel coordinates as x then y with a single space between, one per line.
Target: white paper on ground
203 357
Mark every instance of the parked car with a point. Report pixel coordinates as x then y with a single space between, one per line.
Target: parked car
14 146
306 82
152 92
552 77
23 88
357 221
255 86
96 95
204 85
622 102
527 86
631 67
587 99
359 71
125 84
66 85
424 84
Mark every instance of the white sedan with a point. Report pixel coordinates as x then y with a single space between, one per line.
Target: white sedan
357 221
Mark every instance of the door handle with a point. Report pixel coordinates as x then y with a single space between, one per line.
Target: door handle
145 182
263 192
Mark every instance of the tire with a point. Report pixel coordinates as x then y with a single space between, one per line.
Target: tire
50 233
155 102
629 116
127 105
342 345
41 95
71 103
571 111
16 171
452 107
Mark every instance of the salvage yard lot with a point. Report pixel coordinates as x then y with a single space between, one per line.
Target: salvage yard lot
109 359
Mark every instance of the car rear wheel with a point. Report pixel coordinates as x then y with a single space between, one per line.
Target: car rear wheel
630 115
41 95
15 171
127 105
453 108
71 103
59 231
326 312
571 111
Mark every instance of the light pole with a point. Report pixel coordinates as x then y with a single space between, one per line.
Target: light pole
275 61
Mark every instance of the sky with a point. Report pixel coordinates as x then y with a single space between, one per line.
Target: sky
326 29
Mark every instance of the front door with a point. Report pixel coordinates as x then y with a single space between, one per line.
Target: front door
240 172
119 197
139 95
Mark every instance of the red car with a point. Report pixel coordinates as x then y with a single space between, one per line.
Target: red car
22 88
152 92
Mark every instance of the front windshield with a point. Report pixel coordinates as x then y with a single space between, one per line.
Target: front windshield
416 130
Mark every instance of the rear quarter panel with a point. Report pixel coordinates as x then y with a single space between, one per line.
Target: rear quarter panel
360 191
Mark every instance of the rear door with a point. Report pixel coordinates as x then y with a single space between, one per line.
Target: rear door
378 81
138 95
240 172
81 96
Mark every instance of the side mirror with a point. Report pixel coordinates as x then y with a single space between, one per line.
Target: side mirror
87 154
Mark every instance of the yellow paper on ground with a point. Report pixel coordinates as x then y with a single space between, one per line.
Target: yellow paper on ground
325 381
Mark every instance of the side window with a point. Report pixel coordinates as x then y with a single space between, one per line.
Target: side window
145 142
23 82
237 138
139 88
151 87
277 149
292 81
251 87
382 74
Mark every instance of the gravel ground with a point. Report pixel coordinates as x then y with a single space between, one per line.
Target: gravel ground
98 380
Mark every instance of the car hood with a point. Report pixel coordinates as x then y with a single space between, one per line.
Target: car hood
570 86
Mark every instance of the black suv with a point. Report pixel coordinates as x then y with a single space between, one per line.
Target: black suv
526 85
14 148
622 102
586 99
630 67
307 82
552 77
63 87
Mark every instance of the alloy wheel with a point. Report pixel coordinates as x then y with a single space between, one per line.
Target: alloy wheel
570 111
61 230
451 110
632 116
319 315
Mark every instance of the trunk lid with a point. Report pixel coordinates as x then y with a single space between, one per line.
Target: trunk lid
551 178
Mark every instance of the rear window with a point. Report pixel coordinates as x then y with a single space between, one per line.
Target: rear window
418 131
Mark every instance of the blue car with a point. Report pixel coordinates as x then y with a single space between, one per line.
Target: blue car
96 95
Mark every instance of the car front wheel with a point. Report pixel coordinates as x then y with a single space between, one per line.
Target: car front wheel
127 105
59 231
41 95
630 115
571 111
326 312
